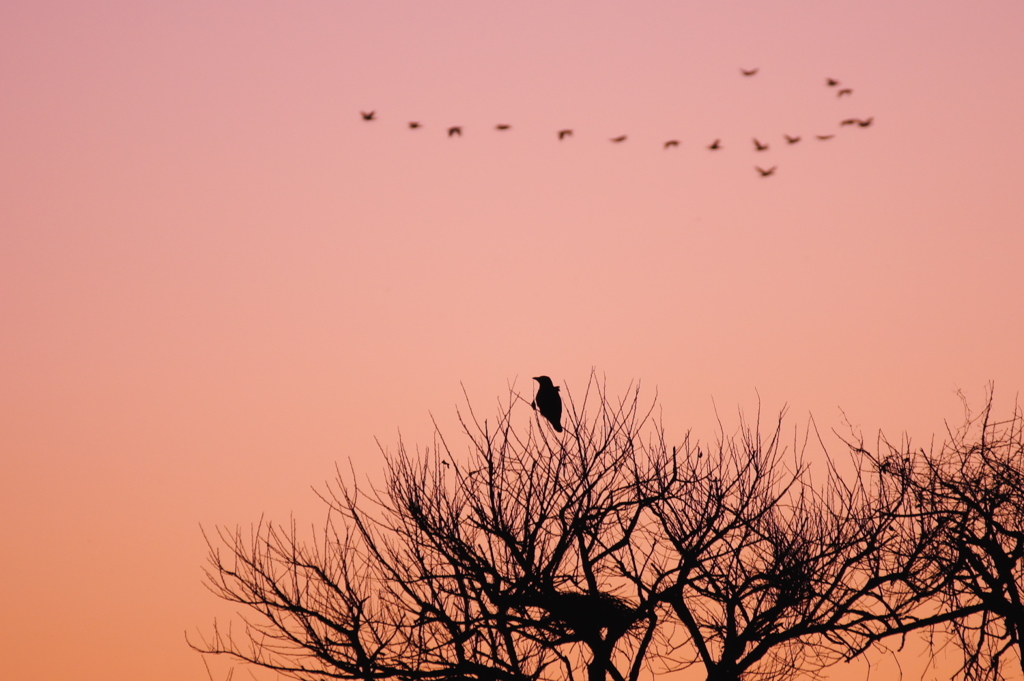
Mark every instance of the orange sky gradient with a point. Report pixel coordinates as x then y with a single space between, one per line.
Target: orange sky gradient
217 281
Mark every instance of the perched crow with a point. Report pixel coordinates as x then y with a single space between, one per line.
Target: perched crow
671 143
368 115
717 144
759 146
562 134
548 402
456 130
502 126
620 138
844 91
765 173
748 73
792 140
414 124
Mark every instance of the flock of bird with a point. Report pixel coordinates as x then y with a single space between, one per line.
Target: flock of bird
565 133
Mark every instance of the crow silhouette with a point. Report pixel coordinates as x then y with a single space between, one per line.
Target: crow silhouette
749 72
759 146
548 402
844 91
502 126
671 143
368 115
620 138
717 144
562 134
456 130
765 173
792 140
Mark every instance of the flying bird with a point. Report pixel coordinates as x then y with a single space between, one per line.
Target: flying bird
717 144
414 124
792 140
562 134
456 130
866 122
850 121
759 146
671 143
368 115
844 91
825 137
548 402
620 138
765 173
502 126
751 72
832 82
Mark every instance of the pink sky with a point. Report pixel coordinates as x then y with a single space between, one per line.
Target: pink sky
216 281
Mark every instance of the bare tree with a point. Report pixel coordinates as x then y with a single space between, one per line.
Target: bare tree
968 499
504 566
771 575
599 552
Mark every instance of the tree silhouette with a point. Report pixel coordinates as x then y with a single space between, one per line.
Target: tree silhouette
968 499
602 553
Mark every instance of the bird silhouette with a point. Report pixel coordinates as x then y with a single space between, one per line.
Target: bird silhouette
749 72
368 115
562 134
850 121
866 122
455 130
765 173
825 137
414 124
502 126
759 146
792 140
832 82
548 402
717 144
620 138
844 91
671 143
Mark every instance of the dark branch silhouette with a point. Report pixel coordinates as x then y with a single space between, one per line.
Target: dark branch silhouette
611 552
967 499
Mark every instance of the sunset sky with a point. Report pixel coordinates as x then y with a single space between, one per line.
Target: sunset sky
217 281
